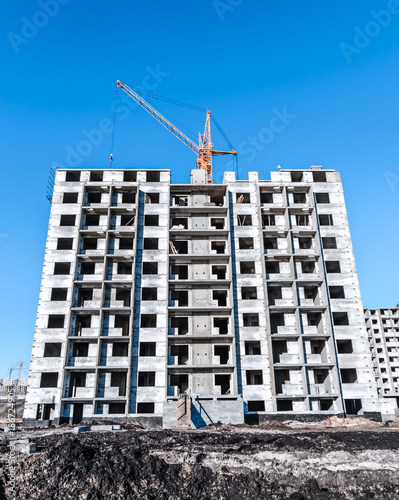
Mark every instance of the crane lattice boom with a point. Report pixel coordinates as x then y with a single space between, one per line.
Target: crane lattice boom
203 151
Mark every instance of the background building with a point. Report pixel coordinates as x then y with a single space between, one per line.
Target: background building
243 295
383 332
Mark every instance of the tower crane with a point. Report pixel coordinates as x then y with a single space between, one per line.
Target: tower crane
204 150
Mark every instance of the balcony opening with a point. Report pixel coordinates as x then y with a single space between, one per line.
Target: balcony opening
118 379
179 223
178 247
336 292
276 320
116 408
64 243
127 220
59 294
70 198
150 267
67 220
89 243
180 200
244 220
151 220
180 352
221 297
296 176
217 223
311 293
224 382
93 197
272 267
329 242
128 197
221 325
223 351
302 220
322 198
120 349
56 321
123 295
147 349
125 243
248 293
91 220
179 323
250 319
270 243
96 176
252 348
87 267
124 268
149 293
77 379
52 350
129 176
180 271
268 220
326 404
49 379
340 318
122 322
348 375
344 347
319 177
243 198
148 321
256 406
326 220
152 198
266 197
150 243
219 272
218 247
299 198
284 405
281 378
274 293
247 267
80 349
279 348
308 267
181 296
180 381
246 243
254 377
305 243
217 199
145 408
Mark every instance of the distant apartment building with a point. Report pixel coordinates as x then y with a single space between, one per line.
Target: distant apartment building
383 333
199 302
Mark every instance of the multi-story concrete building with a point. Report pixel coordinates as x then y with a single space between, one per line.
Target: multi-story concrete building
383 333
243 295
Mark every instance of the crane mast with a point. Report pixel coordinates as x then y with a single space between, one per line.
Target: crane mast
204 150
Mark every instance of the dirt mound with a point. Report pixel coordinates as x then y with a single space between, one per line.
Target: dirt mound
152 465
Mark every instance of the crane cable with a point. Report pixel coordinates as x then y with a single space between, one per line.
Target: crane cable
111 156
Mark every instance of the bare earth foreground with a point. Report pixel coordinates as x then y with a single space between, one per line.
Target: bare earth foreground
270 461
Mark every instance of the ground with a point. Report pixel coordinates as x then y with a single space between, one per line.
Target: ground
271 461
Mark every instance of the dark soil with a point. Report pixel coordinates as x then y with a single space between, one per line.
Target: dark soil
210 464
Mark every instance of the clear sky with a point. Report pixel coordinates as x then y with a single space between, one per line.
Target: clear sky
330 68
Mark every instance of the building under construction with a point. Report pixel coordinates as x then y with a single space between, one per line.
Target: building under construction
185 304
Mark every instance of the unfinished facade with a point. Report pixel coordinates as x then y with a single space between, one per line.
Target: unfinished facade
383 333
242 295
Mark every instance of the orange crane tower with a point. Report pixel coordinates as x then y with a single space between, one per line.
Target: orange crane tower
203 151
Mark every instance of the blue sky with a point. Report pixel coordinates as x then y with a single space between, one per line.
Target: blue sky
330 67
